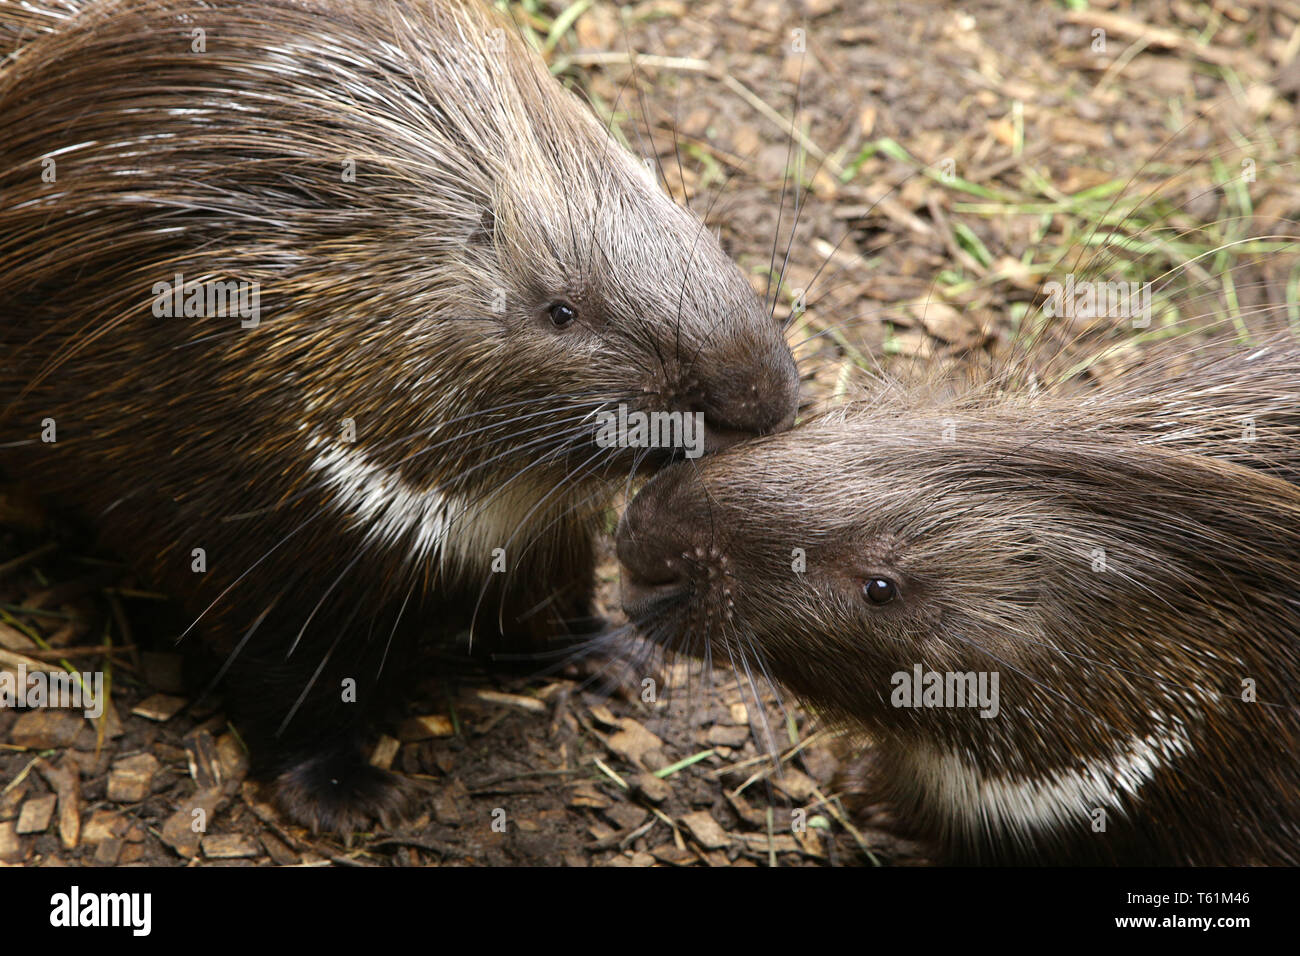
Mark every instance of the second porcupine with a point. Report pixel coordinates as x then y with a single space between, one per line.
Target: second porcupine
1125 560
451 268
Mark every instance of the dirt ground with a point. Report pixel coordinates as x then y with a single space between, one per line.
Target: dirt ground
946 158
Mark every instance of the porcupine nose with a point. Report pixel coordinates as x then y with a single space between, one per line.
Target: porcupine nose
749 395
658 530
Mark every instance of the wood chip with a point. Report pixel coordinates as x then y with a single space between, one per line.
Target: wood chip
234 760
131 778
810 842
159 707
912 344
751 815
655 789
46 729
251 794
422 728
104 825
179 831
279 853
230 846
585 795
633 741
673 855
530 704
796 784
1016 272
598 28
762 843
107 853
945 322
204 761
131 853
706 830
14 664
448 802
37 813
1081 132
11 795
626 816
385 750
15 640
727 736
66 784
11 845
745 140
605 836
1154 36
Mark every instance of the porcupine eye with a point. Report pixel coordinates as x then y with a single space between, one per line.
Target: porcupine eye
880 590
562 314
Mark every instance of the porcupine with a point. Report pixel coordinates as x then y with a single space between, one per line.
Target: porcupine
445 269
1124 559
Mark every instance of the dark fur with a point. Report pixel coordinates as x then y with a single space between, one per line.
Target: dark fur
414 301
985 508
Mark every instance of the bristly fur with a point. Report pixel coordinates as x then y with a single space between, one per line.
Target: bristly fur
1127 558
413 301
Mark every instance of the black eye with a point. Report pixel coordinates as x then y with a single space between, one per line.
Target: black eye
562 314
880 590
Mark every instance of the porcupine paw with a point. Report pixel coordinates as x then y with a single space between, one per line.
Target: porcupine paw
339 793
